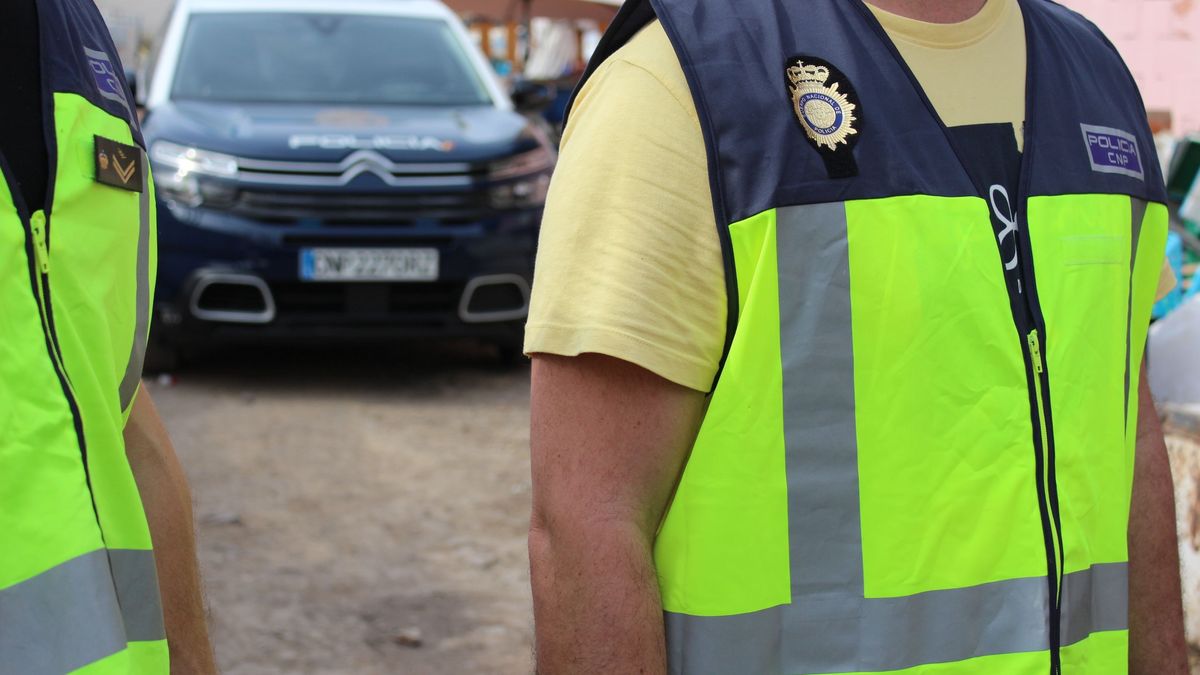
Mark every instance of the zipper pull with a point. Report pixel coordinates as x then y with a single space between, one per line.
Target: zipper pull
1035 351
37 223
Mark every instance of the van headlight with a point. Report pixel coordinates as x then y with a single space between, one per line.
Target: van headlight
526 178
193 176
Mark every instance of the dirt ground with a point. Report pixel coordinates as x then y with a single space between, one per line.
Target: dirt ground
360 510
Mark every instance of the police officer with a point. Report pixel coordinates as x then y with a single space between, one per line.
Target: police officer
838 325
83 554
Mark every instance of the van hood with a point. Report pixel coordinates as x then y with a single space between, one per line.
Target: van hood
312 133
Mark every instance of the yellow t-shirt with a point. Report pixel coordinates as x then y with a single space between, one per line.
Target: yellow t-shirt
629 264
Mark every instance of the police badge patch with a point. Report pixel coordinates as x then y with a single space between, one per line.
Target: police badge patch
827 108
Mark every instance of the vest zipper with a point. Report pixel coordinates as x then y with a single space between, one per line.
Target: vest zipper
37 223
41 260
1039 370
1032 323
1046 489
39 234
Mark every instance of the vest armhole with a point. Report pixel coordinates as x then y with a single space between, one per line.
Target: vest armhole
633 16
720 212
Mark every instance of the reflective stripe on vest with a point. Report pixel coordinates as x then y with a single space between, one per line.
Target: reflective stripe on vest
79 612
78 589
909 462
132 378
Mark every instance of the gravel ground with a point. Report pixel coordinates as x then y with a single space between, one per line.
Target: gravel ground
360 510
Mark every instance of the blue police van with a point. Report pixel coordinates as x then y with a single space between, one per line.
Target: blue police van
339 168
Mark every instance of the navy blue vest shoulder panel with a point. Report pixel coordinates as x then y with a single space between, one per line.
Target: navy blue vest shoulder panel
80 58
1087 132
1088 109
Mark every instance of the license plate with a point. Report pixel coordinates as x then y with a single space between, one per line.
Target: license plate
369 264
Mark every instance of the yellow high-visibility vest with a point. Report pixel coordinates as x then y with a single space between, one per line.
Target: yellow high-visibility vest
78 587
918 456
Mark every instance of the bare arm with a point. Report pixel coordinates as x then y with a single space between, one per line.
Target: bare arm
168 504
608 442
1156 641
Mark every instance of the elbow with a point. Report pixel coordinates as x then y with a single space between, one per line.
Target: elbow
571 533
562 525
540 553
540 541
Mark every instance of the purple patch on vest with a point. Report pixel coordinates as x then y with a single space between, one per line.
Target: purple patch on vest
106 79
105 75
1113 151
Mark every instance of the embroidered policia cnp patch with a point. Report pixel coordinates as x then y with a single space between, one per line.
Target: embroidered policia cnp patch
827 108
118 165
1113 151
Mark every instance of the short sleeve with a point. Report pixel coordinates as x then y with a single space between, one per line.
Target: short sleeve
629 262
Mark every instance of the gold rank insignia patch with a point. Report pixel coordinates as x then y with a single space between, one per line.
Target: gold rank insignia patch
826 106
118 165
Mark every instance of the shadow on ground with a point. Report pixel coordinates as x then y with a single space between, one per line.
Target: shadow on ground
355 368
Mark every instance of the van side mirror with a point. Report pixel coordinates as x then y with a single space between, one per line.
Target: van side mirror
531 97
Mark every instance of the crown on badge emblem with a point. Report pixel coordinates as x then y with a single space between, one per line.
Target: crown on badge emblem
805 74
826 113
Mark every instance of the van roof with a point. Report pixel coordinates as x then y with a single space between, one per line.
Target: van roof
411 8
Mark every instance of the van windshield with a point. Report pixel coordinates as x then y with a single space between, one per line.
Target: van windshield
325 58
